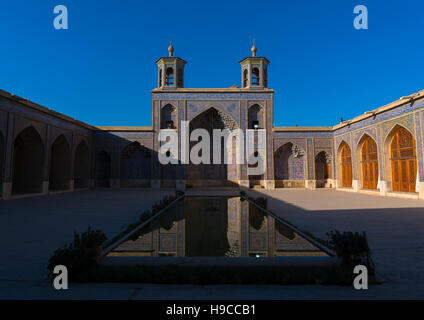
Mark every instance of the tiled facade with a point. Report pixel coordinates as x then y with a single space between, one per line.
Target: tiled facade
291 152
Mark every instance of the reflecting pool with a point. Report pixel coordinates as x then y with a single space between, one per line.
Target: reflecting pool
216 227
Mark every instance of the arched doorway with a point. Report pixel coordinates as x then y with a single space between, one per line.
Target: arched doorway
135 166
346 165
28 162
403 160
322 169
255 117
102 169
212 175
369 163
168 117
289 166
60 164
82 166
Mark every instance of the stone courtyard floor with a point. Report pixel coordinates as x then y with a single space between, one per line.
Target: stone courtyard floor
31 228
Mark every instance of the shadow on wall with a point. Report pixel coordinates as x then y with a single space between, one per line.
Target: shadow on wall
127 163
289 166
29 162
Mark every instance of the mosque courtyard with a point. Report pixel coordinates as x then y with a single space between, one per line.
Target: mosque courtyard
32 228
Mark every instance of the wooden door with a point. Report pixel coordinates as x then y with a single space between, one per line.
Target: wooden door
403 161
369 162
346 162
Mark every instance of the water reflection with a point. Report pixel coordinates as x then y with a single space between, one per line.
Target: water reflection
216 227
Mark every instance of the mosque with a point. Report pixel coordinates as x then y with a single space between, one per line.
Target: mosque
379 152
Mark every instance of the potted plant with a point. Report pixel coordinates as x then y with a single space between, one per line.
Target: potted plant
92 241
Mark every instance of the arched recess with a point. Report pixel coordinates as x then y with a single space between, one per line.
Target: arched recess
401 159
345 158
169 77
256 117
102 169
2 157
213 174
28 162
255 77
135 166
60 164
245 78
367 154
322 169
168 117
82 166
289 166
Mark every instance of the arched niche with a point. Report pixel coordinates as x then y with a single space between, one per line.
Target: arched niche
135 165
289 166
28 162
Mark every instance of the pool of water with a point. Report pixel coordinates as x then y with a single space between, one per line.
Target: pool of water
216 227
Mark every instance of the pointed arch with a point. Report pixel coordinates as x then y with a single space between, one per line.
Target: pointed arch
322 168
82 166
255 77
135 165
231 119
168 117
169 76
367 161
28 162
255 115
341 142
212 174
345 159
289 165
401 158
102 169
389 132
245 78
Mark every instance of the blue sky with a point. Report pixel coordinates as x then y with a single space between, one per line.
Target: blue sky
101 69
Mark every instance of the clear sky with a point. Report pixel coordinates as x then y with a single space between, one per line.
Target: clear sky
101 69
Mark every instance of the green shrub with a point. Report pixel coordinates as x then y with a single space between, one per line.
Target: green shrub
145 216
80 266
92 238
352 248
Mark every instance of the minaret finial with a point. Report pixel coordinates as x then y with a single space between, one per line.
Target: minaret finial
253 48
170 48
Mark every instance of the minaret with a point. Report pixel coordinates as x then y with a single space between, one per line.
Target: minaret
254 71
170 71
